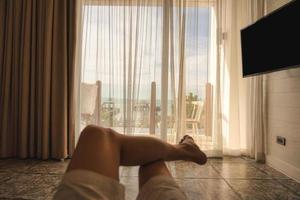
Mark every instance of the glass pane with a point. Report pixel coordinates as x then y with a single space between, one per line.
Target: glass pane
121 48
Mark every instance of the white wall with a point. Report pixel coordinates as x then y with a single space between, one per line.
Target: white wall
283 114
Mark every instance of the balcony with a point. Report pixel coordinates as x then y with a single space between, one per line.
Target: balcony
145 115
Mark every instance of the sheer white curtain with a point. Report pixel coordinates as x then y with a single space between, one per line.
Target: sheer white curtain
121 46
150 59
242 99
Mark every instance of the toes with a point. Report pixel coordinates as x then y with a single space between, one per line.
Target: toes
189 137
182 139
186 137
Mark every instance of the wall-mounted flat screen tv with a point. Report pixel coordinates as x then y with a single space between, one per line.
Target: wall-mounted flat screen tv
273 42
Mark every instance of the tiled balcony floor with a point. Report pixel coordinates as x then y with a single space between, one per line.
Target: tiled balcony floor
229 178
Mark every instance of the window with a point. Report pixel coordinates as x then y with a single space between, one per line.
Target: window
122 48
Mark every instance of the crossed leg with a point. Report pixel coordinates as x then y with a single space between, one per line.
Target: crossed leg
157 168
103 150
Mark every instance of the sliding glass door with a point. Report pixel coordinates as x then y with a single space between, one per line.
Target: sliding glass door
147 67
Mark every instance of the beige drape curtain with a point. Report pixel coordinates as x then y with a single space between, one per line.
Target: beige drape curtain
242 99
37 42
257 123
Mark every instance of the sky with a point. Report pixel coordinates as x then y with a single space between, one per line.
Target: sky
116 37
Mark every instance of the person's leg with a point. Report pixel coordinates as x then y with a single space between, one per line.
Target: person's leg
140 150
156 182
97 150
157 168
104 150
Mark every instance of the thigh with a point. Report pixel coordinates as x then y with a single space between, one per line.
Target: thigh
97 150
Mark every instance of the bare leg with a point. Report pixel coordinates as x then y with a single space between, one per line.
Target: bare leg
104 150
140 150
97 150
158 168
152 169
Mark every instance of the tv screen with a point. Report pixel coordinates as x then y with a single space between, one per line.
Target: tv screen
273 42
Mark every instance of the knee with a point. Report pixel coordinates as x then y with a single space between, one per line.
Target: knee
153 166
91 130
147 171
96 132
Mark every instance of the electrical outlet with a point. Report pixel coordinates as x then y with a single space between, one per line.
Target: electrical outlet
280 140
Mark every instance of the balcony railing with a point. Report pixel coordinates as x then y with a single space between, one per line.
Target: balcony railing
145 114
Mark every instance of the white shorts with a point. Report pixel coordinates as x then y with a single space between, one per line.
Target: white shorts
84 184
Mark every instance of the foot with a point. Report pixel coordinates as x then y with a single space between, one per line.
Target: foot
192 150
